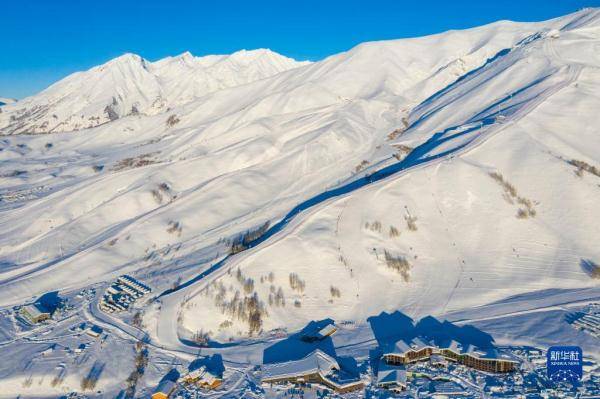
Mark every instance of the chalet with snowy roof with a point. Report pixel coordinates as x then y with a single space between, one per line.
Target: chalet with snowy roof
203 378
317 367
319 333
418 349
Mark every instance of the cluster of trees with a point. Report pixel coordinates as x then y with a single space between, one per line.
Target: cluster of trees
201 337
247 308
335 292
361 166
90 380
137 319
394 232
172 120
175 228
247 283
59 378
398 263
297 283
511 195
159 191
375 226
591 268
134 162
276 297
141 362
110 110
411 222
270 278
400 130
584 166
241 242
403 151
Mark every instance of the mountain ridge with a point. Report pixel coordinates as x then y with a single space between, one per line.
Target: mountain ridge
479 124
130 85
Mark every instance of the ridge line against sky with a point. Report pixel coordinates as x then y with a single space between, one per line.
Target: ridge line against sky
44 41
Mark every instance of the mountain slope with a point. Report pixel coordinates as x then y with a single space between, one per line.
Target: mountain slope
4 101
158 194
491 206
131 85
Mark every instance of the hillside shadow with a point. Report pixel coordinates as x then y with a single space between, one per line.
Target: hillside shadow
442 332
213 363
590 268
295 348
172 375
50 301
389 328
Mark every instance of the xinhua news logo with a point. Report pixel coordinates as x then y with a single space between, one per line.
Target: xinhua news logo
564 363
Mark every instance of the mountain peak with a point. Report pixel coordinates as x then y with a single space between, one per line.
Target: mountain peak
127 59
249 56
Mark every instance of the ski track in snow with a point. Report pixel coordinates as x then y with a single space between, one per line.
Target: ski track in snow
440 136
488 128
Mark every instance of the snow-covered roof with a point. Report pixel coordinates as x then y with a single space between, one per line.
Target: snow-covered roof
202 374
452 345
402 346
316 362
35 310
492 353
387 375
448 387
327 330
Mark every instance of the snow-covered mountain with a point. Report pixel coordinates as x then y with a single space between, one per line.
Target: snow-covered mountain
5 100
130 85
427 175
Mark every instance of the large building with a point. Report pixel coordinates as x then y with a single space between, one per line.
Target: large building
391 377
122 294
35 313
317 368
418 349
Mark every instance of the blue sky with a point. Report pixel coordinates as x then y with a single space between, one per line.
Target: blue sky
44 40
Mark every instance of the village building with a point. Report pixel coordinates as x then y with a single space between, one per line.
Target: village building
405 352
203 378
94 331
391 377
319 333
35 313
164 389
122 294
445 389
48 350
317 368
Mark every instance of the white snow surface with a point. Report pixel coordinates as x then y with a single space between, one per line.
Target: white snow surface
259 133
5 100
130 85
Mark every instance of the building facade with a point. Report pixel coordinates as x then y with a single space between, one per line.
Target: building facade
417 350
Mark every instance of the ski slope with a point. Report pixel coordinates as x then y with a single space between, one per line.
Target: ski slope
457 260
148 168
